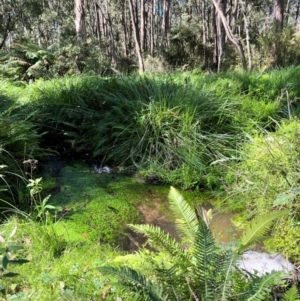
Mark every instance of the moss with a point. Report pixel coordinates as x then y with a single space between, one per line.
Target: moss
65 255
97 207
285 239
48 184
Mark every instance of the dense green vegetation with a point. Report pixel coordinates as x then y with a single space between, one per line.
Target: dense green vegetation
232 137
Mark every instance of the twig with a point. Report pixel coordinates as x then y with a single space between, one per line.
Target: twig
192 292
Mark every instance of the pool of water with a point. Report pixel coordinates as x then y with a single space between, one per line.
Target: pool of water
222 226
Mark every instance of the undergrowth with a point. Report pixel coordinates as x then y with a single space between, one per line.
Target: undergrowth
87 231
171 126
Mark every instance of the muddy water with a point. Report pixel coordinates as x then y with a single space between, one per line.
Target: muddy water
221 223
225 232
223 228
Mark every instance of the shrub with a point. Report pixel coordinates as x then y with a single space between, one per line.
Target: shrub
19 142
269 165
267 179
277 48
285 238
142 121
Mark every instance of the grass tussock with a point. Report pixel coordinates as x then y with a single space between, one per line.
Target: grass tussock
173 126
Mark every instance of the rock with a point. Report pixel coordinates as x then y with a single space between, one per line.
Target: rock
102 169
263 263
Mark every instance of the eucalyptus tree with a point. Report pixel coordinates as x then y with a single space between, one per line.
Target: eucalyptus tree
7 21
137 41
279 13
41 22
79 20
165 20
113 33
220 35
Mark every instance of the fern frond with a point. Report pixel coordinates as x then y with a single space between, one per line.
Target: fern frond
144 289
291 295
227 268
257 228
204 241
207 262
173 281
19 61
261 286
186 220
160 240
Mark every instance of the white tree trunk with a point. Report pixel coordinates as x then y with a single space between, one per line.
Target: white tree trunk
230 35
79 20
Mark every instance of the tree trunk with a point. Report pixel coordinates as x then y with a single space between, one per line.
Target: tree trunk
287 11
80 21
90 23
220 34
152 18
297 13
125 34
136 38
247 36
215 38
165 21
112 47
98 25
136 19
143 31
278 13
204 39
234 15
6 32
237 43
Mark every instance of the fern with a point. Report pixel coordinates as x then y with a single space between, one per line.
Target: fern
24 61
291 295
257 228
173 281
186 219
226 269
136 282
205 271
160 240
261 287
207 262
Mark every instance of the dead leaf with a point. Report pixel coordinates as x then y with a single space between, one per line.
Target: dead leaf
62 286
105 291
13 232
